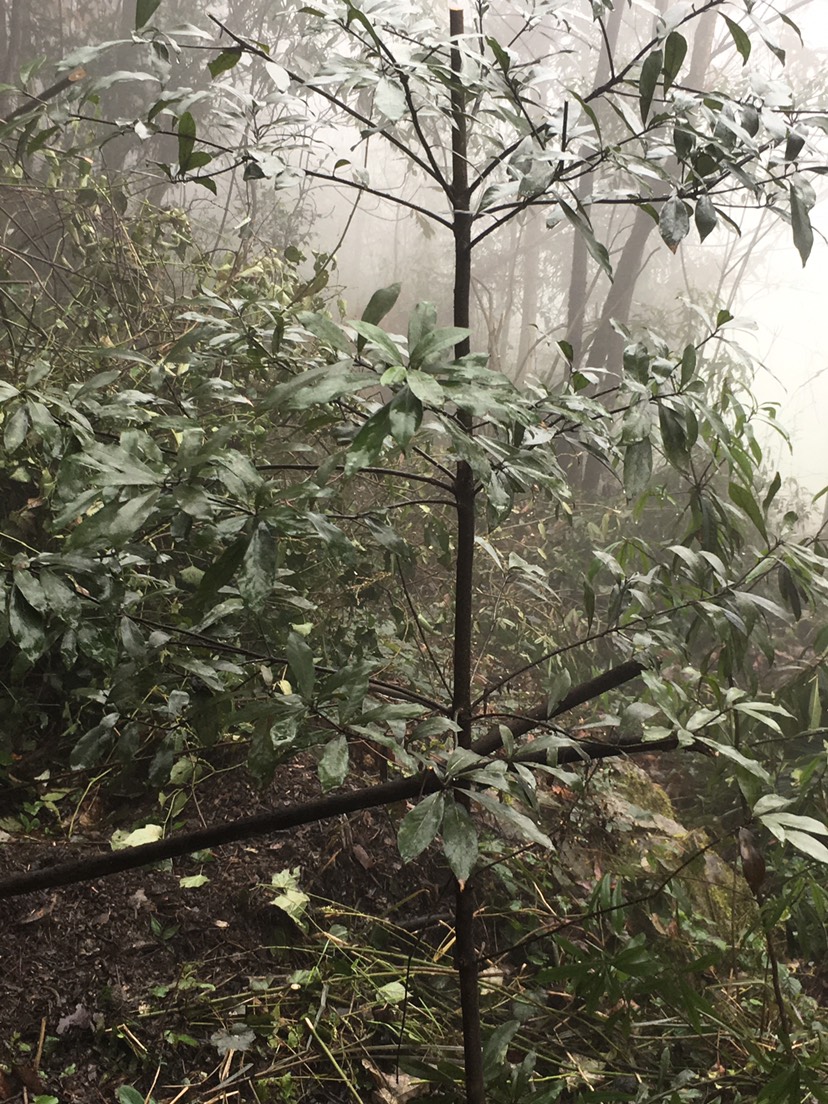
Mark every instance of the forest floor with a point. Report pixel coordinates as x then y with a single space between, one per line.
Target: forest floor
137 987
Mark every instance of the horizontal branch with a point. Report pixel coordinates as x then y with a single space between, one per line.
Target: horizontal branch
309 812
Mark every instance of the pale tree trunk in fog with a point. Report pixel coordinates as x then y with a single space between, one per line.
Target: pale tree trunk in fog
529 303
607 346
15 20
577 296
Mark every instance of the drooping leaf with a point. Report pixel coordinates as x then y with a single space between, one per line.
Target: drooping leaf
705 216
740 39
220 572
512 818
186 140
807 845
114 524
369 442
675 51
300 661
638 467
798 823
94 744
258 568
405 412
650 72
745 501
459 840
673 435
426 388
333 765
420 826
803 234
674 222
577 216
26 626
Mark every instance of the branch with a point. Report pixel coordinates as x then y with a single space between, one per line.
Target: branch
49 94
371 797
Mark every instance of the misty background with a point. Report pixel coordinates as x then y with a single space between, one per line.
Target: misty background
534 284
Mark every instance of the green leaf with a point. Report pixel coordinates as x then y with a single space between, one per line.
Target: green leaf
333 765
220 572
673 435
815 706
750 765
435 341
598 252
789 591
459 840
705 216
144 11
773 489
422 321
126 1094
798 823
495 1050
300 661
426 388
638 467
227 59
420 826
186 140
113 525
744 499
650 72
369 442
26 626
803 234
258 568
740 39
94 744
380 303
290 899
15 428
193 881
674 222
675 51
807 845
7 391
512 818
368 332
405 412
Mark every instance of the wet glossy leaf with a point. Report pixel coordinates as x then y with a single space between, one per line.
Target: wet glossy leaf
333 764
705 216
300 661
650 72
459 840
673 222
420 826
740 39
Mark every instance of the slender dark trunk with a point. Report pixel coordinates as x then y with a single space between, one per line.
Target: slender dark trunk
464 492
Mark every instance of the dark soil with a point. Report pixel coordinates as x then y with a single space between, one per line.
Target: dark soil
102 980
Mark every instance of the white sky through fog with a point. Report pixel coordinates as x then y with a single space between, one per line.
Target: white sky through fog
789 304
